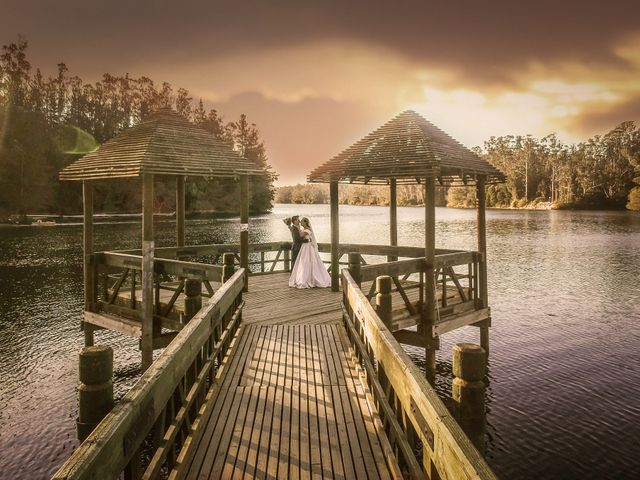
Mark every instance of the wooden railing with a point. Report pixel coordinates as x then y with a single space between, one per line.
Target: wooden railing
274 257
114 273
144 434
426 439
456 282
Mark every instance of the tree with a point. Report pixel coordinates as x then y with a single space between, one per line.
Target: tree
247 141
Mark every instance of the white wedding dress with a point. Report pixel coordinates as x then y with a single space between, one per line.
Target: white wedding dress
309 271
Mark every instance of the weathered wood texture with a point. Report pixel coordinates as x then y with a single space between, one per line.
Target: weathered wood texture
446 452
407 148
288 403
164 144
87 250
161 408
273 302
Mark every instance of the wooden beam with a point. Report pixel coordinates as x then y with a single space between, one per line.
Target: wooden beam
410 337
147 271
180 210
482 248
87 250
430 295
457 321
244 227
482 237
335 237
393 216
113 322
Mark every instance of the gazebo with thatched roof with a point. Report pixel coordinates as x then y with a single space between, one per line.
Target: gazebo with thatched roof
164 144
410 150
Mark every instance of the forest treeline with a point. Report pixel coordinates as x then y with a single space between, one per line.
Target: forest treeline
407 195
47 123
603 172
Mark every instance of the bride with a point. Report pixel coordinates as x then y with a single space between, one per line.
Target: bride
308 270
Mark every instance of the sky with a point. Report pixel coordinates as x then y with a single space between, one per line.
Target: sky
315 76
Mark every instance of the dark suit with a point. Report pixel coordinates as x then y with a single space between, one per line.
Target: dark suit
297 243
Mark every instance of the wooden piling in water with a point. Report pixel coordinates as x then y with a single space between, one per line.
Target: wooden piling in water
468 391
384 299
95 393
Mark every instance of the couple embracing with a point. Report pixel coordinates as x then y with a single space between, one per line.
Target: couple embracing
307 269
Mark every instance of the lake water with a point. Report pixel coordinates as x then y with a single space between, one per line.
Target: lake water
564 288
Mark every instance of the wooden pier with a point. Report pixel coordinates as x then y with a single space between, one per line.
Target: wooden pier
280 383
259 380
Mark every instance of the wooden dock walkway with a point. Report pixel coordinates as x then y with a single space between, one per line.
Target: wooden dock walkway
288 401
277 382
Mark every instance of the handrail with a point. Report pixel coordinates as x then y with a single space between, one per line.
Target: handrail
164 402
220 248
444 445
200 271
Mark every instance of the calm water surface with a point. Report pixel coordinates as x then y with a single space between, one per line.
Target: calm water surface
564 289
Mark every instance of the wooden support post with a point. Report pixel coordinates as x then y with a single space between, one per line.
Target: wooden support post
482 248
147 271
393 217
193 298
227 266
354 267
87 250
384 299
429 307
180 210
287 260
468 391
335 237
95 394
244 228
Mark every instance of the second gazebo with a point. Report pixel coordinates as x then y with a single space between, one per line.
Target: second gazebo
163 145
410 150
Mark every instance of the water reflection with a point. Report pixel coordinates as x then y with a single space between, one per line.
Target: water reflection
564 375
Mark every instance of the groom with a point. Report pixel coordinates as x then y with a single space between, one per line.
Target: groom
297 239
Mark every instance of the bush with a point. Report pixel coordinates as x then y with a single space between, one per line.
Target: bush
634 199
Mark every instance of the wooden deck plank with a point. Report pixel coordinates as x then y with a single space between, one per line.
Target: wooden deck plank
288 402
356 402
278 408
323 426
232 364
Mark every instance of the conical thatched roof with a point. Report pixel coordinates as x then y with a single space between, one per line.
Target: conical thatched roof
407 148
164 144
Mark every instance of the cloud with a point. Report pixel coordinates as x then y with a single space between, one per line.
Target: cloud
316 76
302 134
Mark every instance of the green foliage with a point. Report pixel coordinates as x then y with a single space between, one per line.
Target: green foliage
407 195
461 197
597 173
634 199
46 124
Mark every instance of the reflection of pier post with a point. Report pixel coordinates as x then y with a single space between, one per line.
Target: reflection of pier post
468 391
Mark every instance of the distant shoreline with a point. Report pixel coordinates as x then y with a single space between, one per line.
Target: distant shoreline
125 218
